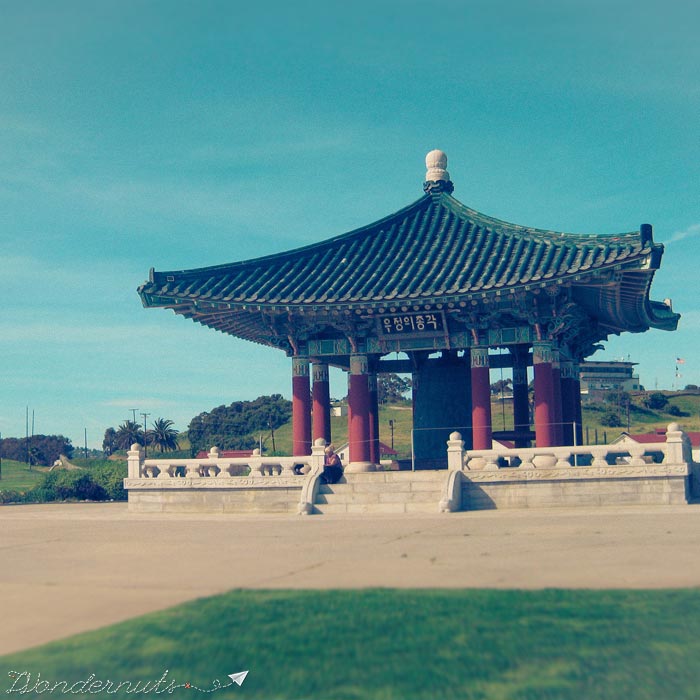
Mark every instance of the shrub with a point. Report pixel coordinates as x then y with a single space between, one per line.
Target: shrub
676 411
61 485
110 477
11 496
611 420
656 401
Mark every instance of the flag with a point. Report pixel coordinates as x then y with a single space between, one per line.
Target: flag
680 361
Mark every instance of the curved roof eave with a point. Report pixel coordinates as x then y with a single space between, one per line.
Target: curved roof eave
660 315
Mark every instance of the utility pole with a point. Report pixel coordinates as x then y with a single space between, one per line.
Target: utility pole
272 433
26 433
145 449
391 427
86 456
133 410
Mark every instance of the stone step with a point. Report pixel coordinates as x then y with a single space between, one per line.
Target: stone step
394 476
389 508
369 488
379 497
382 492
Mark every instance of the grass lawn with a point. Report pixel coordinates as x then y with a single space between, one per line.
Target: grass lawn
400 414
382 644
16 476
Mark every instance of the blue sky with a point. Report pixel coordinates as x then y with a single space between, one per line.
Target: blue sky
177 135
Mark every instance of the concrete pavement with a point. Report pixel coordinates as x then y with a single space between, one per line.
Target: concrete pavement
67 568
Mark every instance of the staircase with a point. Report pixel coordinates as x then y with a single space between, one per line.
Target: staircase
382 492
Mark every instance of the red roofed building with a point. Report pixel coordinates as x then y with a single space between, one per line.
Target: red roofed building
656 436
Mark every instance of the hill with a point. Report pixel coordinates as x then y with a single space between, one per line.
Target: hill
642 420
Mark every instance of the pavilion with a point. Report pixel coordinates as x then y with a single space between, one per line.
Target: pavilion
456 293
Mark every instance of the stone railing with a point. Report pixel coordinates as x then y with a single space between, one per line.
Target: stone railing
661 472
675 450
213 466
255 484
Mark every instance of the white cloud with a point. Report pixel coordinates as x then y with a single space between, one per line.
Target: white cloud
690 232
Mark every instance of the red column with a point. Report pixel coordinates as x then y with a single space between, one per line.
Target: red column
481 399
373 419
576 379
321 402
358 414
568 406
544 394
301 407
521 399
556 391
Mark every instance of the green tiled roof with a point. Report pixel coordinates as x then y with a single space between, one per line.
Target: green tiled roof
432 250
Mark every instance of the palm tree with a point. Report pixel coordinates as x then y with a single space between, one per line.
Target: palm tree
109 444
163 435
127 434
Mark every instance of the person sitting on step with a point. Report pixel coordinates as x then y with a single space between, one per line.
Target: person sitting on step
332 466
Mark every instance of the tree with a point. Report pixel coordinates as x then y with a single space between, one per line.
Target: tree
501 386
618 397
109 444
611 420
391 388
239 425
656 401
129 433
163 435
42 449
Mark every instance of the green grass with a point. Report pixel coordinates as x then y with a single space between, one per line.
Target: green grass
401 414
382 644
16 476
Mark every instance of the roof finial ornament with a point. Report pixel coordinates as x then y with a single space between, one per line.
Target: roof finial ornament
437 179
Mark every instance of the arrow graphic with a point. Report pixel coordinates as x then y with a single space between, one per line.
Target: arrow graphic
238 678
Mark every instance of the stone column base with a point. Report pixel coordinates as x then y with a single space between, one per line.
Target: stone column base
355 467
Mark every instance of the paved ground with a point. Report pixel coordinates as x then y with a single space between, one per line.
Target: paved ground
70 568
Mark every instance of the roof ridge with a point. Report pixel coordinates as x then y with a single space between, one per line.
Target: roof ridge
424 201
487 221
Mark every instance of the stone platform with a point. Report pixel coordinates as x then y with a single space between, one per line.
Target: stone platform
571 476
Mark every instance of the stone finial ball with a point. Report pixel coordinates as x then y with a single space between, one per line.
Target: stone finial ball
455 436
436 163
135 447
319 442
673 428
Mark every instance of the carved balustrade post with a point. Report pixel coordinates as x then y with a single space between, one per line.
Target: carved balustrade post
134 459
318 451
455 452
678 448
